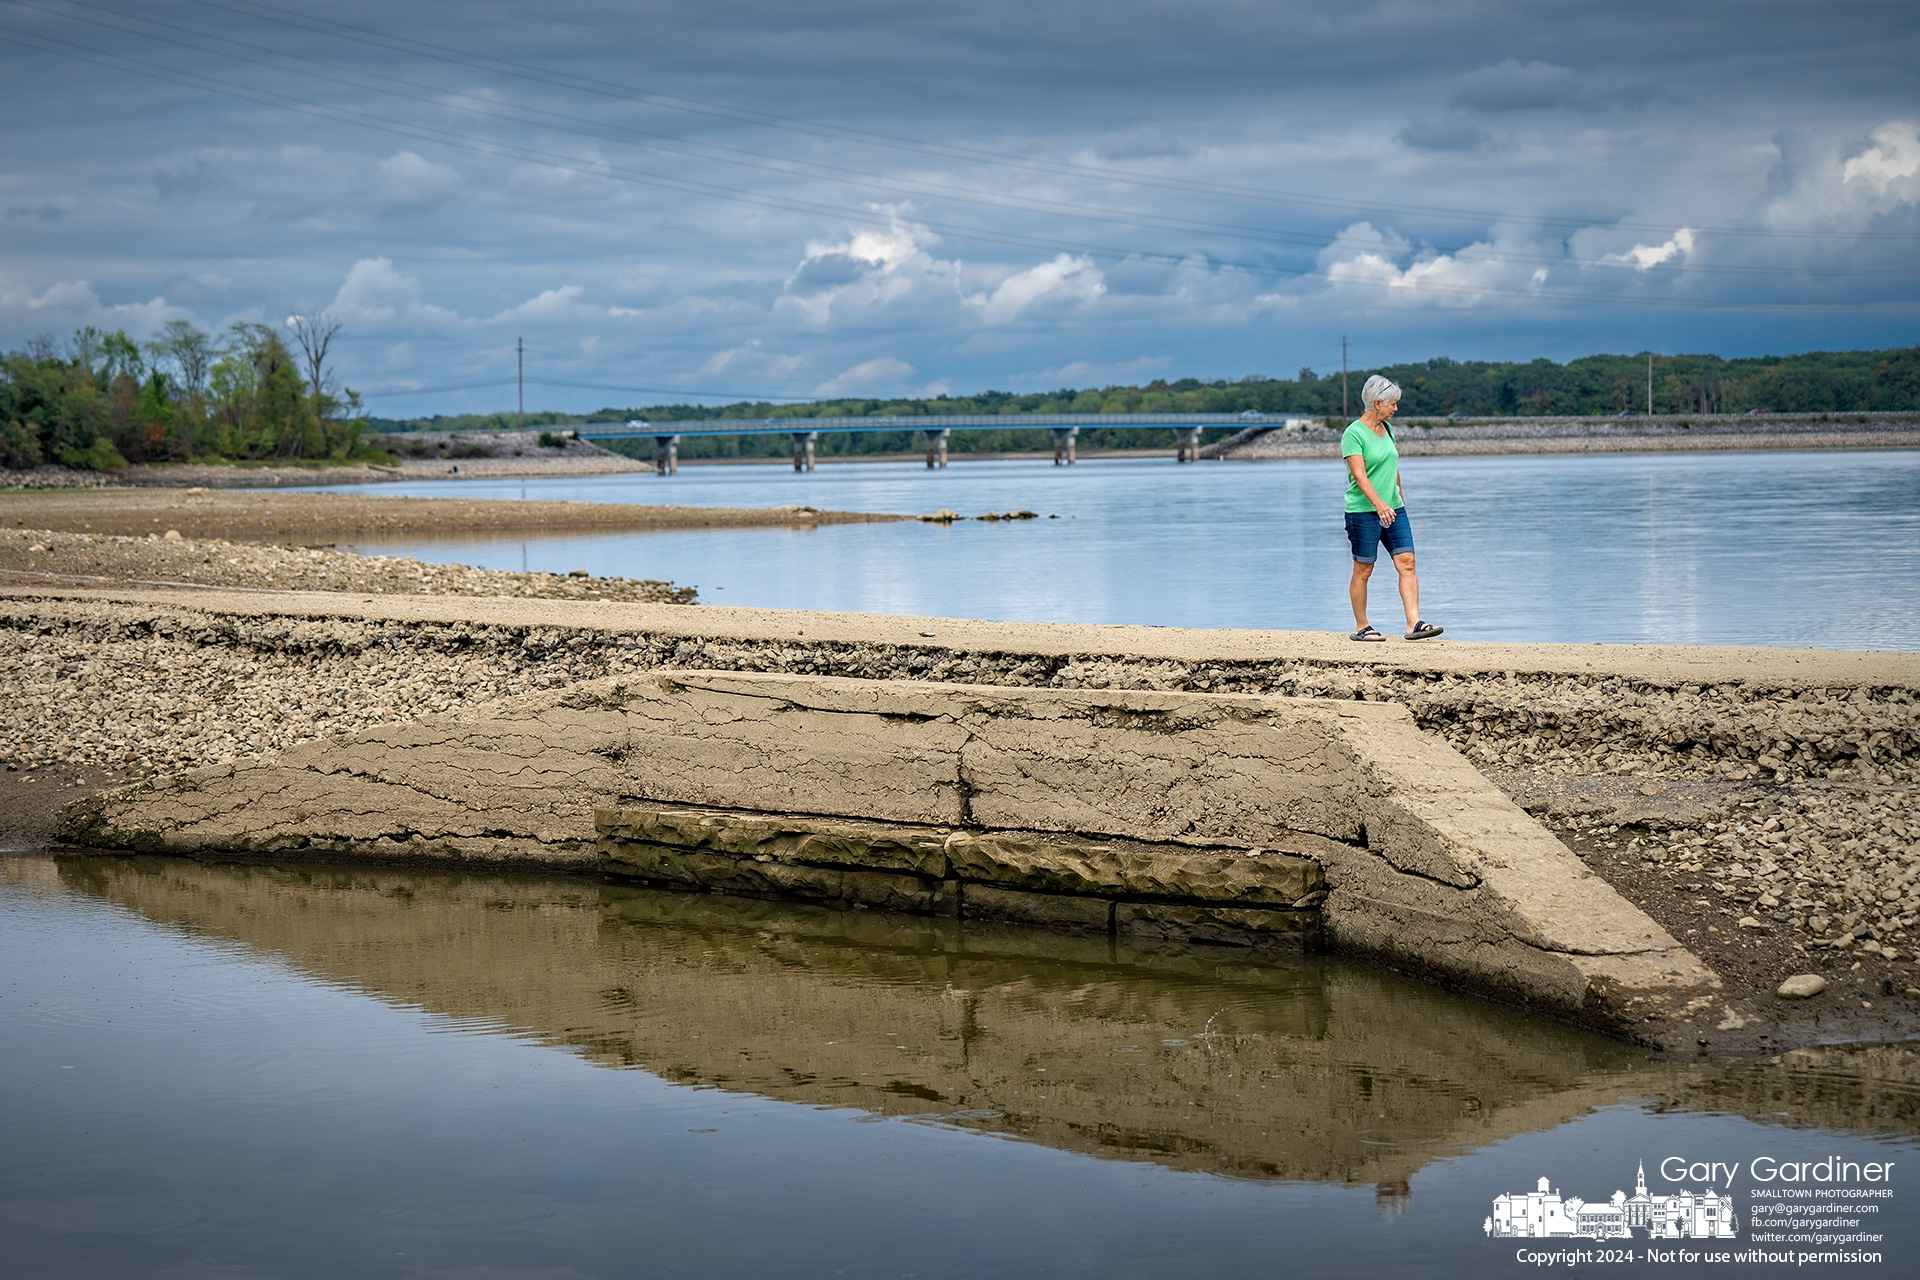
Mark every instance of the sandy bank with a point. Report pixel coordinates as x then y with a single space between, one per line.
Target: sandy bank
218 476
213 475
328 517
421 456
72 559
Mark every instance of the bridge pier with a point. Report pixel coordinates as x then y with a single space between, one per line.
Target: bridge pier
1063 444
937 447
803 442
1188 443
666 455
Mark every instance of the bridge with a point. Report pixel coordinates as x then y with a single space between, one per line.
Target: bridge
938 431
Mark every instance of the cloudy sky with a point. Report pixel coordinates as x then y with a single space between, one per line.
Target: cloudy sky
689 199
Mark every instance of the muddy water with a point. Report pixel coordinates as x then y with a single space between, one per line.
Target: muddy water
216 1069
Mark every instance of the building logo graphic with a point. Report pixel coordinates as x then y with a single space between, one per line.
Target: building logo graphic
1541 1214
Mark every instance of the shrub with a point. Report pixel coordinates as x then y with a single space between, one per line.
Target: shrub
19 445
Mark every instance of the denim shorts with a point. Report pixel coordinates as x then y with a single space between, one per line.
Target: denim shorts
1365 535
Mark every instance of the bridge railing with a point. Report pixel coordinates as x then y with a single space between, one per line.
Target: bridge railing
937 429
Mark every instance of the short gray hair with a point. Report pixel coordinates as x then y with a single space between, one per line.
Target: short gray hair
1378 388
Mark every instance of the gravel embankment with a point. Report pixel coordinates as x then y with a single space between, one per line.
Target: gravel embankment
1429 437
216 475
59 478
80 558
331 517
1771 824
421 456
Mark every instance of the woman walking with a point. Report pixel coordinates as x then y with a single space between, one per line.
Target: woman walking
1376 511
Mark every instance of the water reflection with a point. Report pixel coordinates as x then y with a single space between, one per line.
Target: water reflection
1299 1068
1661 552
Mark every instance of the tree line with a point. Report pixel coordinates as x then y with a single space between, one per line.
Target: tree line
1833 382
103 400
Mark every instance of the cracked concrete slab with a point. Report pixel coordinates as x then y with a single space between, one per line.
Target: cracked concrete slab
1428 867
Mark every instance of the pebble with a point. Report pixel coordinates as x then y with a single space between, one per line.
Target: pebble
1801 986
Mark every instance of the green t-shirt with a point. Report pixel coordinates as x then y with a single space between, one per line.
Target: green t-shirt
1381 457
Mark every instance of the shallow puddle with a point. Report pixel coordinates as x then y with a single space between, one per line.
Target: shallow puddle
326 1071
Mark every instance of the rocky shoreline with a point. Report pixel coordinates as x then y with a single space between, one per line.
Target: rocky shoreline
1763 809
1440 437
501 455
321 518
39 556
419 456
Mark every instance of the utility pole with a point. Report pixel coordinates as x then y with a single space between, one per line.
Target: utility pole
1343 375
1649 384
520 380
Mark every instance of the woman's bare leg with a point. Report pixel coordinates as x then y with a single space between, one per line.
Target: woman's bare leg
1409 587
1357 592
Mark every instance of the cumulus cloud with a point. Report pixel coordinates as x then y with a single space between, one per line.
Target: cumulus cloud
873 268
549 304
1066 279
584 179
1894 155
1821 182
405 183
1365 260
72 303
879 376
697 263
1645 257
1363 240
374 293
749 356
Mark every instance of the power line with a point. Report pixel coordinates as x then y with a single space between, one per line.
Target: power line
1050 111
82 53
787 164
350 31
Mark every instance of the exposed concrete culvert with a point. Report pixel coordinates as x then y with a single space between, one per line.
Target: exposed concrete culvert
1427 866
1700 782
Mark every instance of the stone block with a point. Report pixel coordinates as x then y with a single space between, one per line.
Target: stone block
984 902
1131 868
1233 926
719 871
838 842
710 739
891 891
1161 767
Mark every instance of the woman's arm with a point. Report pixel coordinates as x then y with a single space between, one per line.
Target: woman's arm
1358 465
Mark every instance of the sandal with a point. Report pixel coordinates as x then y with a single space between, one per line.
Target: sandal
1424 631
1366 633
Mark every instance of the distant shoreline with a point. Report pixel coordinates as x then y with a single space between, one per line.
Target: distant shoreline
1439 437
1260 442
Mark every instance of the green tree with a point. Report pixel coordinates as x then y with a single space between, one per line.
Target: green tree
260 409
191 354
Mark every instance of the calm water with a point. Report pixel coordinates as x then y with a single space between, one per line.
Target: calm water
1803 548
246 1071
